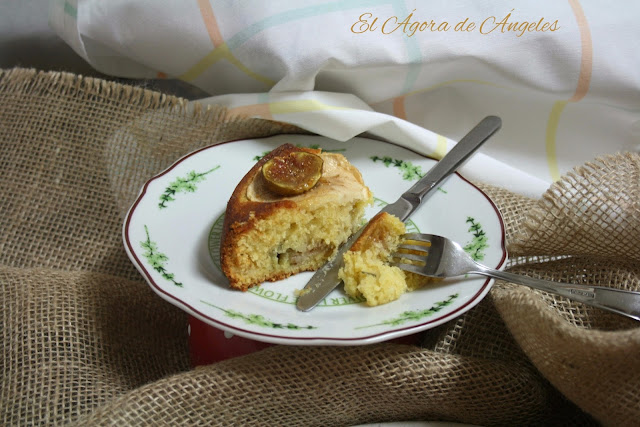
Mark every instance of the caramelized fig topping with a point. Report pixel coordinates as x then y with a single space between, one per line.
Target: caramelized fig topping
293 173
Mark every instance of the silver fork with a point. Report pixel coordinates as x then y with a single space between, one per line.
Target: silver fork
441 257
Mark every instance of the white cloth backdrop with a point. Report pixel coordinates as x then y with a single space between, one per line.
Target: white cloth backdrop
564 75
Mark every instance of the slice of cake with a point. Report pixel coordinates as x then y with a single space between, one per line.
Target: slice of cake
366 271
269 236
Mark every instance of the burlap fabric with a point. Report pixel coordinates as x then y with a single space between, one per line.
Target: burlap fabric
85 341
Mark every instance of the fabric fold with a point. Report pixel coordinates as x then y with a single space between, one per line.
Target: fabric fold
343 116
546 68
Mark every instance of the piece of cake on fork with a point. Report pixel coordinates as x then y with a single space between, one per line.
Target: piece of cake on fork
367 272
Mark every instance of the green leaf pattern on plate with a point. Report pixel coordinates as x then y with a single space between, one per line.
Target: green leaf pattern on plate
260 156
258 319
156 258
478 244
183 185
415 315
410 172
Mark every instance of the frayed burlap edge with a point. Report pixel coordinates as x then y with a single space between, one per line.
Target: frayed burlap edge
585 229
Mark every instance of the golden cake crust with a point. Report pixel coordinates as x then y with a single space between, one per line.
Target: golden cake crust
373 232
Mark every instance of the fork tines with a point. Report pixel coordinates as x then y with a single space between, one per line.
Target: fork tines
401 257
418 237
417 248
416 251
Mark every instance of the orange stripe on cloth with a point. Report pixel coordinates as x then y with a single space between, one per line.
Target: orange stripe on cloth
586 64
582 87
210 22
398 107
220 50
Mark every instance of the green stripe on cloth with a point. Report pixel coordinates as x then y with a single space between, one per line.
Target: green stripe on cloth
70 10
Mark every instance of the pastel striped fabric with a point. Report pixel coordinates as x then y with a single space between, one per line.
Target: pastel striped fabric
564 75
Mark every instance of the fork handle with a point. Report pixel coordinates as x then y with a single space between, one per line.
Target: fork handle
626 303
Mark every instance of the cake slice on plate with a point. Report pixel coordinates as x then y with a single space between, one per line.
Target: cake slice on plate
274 229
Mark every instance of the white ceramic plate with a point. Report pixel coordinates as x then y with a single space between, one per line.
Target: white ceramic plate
172 233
